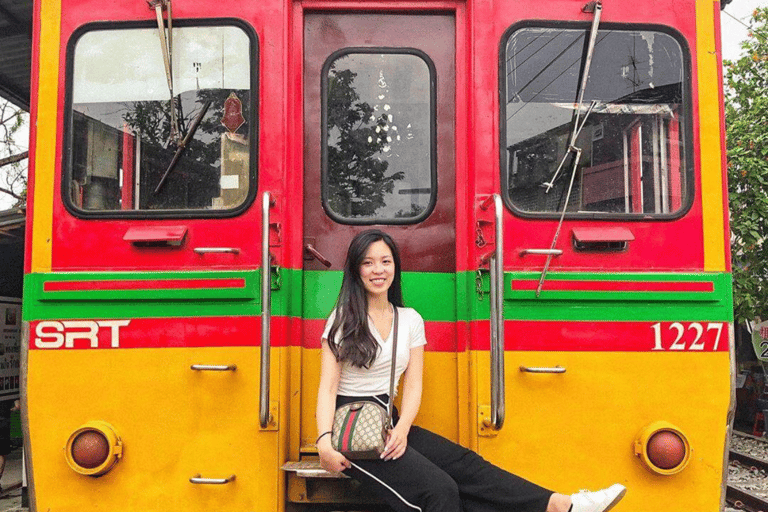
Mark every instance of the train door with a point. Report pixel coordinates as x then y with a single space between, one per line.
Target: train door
148 272
607 293
379 149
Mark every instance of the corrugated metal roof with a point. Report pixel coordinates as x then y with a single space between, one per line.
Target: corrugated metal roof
15 50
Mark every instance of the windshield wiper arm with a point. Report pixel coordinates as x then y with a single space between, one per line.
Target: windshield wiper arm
571 147
166 45
183 145
597 8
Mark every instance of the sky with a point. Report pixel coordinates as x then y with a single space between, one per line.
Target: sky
733 30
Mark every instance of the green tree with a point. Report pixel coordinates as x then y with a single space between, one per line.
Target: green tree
357 179
746 117
196 176
13 158
153 120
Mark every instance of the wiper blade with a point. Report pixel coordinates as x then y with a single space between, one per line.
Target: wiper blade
183 145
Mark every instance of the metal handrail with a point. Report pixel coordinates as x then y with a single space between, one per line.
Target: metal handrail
214 367
215 250
496 265
266 312
545 252
542 369
198 479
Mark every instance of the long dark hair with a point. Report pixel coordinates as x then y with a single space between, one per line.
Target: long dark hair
356 344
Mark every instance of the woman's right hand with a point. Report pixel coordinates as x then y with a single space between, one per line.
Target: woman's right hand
331 460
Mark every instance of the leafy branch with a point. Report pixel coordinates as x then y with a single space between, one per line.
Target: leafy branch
13 158
746 116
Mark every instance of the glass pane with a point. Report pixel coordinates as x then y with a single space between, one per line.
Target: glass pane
121 120
632 158
379 124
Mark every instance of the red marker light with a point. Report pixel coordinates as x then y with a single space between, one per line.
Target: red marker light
90 449
666 449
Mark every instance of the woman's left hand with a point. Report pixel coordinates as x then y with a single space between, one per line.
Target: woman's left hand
397 442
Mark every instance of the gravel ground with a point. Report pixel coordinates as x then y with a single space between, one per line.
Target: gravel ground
748 478
755 447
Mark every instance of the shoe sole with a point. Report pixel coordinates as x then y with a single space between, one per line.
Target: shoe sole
615 500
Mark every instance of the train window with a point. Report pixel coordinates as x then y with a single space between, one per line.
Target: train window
131 152
378 136
634 159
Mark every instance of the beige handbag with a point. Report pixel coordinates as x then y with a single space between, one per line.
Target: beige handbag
360 428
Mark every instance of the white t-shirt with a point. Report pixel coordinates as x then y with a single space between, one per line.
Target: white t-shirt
375 380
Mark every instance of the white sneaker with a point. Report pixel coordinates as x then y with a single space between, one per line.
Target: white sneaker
598 501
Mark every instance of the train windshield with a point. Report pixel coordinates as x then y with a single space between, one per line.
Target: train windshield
633 143
129 153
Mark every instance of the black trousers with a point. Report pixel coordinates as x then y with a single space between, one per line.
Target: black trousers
438 475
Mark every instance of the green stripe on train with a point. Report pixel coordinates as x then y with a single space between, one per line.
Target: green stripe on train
145 303
250 290
433 295
318 289
716 305
437 296
464 296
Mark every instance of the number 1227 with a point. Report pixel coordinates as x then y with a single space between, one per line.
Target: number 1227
695 340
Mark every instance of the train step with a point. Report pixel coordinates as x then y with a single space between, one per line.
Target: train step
309 483
310 469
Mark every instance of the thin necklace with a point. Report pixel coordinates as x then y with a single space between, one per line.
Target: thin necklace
390 310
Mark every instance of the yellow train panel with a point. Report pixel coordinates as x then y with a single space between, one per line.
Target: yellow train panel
175 423
710 115
575 430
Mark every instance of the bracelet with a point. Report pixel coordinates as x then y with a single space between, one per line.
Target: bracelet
322 435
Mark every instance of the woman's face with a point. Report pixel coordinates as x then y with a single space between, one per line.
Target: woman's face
377 270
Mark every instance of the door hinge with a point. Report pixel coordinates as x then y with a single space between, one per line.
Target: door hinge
276 279
275 234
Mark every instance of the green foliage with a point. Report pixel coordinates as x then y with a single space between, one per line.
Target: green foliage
195 177
746 117
153 120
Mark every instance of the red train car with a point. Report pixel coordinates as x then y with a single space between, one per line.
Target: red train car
553 172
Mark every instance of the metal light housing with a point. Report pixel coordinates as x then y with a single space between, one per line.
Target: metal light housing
663 448
94 448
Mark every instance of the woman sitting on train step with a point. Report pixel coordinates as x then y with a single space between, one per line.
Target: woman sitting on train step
418 470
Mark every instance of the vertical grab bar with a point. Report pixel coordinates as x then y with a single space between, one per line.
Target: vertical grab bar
266 312
496 266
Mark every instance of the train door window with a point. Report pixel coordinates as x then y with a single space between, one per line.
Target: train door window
378 136
635 142
133 150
